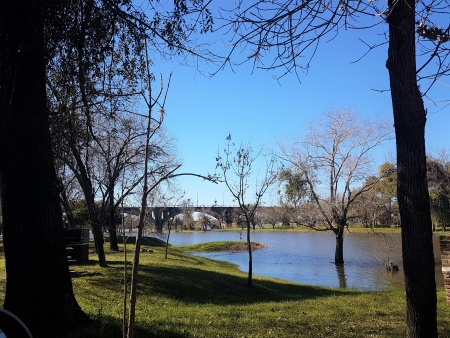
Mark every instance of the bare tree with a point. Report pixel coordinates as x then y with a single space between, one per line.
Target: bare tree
333 159
246 185
119 154
270 215
186 217
370 209
69 191
155 173
175 196
153 124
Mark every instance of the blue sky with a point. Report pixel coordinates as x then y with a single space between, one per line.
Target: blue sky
255 108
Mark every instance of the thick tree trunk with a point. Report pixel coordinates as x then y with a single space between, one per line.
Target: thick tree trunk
86 185
113 245
339 252
99 241
97 232
85 182
38 286
412 191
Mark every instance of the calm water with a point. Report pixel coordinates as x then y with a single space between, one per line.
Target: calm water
307 257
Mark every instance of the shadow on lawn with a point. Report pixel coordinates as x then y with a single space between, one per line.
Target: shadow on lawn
193 285
150 241
107 326
203 286
200 286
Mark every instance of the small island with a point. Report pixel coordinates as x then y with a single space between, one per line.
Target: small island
222 246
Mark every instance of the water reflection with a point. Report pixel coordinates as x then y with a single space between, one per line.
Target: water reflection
307 257
341 276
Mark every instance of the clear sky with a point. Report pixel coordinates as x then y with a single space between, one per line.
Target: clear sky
255 108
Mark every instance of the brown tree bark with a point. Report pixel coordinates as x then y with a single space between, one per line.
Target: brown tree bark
412 192
38 286
112 227
86 185
339 251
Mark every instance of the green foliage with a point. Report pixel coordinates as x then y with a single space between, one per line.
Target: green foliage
80 213
438 177
387 186
295 187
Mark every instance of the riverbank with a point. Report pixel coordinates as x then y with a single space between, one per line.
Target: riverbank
268 227
189 296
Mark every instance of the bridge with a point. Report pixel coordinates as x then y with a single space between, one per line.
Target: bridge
161 215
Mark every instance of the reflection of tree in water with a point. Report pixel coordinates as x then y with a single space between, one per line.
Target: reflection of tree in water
386 256
386 249
341 276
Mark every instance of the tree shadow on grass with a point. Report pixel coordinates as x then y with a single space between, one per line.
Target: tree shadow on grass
198 285
108 326
150 241
192 285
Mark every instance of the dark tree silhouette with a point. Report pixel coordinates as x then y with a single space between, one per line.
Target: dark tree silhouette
32 33
39 288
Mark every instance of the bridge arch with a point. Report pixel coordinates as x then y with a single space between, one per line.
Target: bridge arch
161 215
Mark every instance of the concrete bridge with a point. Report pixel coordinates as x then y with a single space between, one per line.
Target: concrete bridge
161 215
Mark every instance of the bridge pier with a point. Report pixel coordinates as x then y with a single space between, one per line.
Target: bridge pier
160 215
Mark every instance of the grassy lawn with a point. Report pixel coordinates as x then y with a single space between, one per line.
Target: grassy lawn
188 296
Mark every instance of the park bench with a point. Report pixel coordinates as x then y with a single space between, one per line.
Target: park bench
77 245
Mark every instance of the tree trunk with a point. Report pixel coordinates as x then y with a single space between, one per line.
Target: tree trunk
169 226
86 185
250 257
339 252
99 241
112 227
113 245
66 207
135 269
38 288
412 192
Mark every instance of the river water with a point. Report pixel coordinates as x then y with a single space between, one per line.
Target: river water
307 257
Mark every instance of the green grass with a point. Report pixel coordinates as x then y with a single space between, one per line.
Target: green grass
188 296
221 246
278 228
